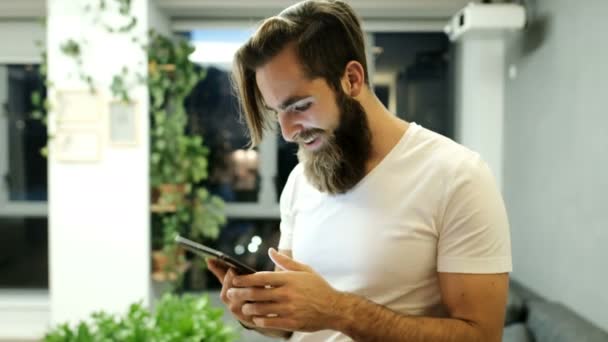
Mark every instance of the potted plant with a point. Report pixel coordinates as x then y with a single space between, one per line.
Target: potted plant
174 319
178 160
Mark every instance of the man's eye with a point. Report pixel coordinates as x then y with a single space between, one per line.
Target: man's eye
301 108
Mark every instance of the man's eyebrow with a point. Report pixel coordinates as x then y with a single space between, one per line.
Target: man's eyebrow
288 102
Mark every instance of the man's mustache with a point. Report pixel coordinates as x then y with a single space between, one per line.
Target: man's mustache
304 135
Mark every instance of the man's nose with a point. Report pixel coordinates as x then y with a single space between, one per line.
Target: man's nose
289 126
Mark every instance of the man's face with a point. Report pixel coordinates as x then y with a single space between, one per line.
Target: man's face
330 127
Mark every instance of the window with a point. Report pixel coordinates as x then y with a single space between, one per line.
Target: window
412 74
237 174
24 174
23 253
23 182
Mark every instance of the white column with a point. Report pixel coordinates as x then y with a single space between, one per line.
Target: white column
479 98
99 229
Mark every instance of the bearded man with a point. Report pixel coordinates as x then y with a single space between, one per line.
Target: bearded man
389 232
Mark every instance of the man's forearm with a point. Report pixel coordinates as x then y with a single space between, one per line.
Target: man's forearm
364 320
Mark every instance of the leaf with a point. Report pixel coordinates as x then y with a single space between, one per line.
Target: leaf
36 98
129 26
44 151
70 48
84 334
155 157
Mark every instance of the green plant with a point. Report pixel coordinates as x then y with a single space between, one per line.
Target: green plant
178 158
175 319
40 103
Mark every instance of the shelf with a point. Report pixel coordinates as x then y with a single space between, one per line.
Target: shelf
163 208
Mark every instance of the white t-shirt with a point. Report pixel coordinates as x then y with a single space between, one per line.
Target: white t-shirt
431 205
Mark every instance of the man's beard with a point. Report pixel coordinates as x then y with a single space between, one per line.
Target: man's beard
339 163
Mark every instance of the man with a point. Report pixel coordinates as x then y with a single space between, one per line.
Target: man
389 232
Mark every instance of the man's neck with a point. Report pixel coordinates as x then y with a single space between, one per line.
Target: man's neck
385 127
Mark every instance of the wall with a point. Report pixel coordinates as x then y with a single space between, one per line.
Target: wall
18 41
556 155
99 231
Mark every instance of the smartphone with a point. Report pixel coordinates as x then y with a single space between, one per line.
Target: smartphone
202 250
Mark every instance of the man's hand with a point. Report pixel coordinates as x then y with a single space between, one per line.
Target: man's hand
225 276
297 299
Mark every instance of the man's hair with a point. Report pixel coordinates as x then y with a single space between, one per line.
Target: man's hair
326 35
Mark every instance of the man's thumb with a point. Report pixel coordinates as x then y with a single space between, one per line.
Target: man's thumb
286 263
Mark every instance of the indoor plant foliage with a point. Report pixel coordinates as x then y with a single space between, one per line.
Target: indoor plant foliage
178 159
175 319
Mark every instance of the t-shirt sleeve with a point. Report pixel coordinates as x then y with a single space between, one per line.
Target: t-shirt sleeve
474 233
287 215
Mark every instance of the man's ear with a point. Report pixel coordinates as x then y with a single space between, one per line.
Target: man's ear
354 78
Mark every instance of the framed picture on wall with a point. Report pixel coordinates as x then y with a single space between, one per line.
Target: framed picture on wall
76 106
77 145
123 128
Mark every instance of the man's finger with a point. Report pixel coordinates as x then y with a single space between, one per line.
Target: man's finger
255 294
286 263
260 279
265 309
226 285
280 323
